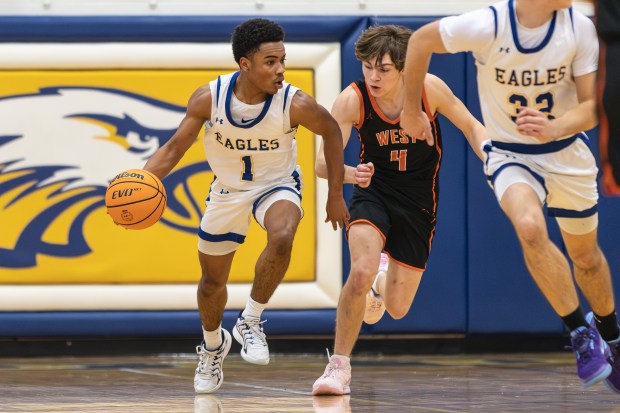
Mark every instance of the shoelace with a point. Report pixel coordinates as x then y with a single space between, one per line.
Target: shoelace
332 368
208 361
584 343
255 325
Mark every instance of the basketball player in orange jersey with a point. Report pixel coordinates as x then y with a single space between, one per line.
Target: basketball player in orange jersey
251 117
394 202
536 63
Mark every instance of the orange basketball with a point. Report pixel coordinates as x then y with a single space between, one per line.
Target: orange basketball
135 199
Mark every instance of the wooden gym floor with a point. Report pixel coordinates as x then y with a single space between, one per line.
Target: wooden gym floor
542 382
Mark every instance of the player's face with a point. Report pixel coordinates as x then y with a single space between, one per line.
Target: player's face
266 67
381 76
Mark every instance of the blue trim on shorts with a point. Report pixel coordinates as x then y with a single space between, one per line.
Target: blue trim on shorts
230 236
549 147
210 186
539 178
295 176
271 191
570 213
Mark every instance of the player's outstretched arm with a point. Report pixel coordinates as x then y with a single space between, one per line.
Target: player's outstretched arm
441 99
346 111
166 157
307 112
422 44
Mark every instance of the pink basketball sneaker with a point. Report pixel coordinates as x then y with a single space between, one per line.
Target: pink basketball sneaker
336 378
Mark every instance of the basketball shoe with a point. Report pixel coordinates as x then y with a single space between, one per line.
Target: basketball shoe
375 306
336 378
249 333
591 352
613 357
209 374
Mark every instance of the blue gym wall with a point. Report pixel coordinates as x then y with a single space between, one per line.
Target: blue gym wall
476 281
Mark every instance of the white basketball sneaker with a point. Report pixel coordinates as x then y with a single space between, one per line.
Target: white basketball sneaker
375 307
209 374
249 333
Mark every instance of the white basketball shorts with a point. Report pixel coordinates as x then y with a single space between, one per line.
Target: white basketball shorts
226 220
562 173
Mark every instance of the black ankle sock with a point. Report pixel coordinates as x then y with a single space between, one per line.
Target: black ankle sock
607 326
575 320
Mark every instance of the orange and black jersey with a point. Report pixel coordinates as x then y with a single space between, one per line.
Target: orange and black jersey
399 161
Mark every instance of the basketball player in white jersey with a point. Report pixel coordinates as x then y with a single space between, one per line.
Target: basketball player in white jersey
537 62
250 119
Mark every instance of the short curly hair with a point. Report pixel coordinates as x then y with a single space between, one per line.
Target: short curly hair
377 41
249 35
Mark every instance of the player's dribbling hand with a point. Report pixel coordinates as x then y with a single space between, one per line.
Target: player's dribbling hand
535 124
337 211
363 174
417 126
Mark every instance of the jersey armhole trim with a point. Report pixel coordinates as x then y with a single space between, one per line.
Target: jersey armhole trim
494 10
360 121
431 117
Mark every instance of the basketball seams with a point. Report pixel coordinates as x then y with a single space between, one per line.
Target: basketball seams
152 212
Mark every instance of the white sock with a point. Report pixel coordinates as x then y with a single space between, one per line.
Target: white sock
253 309
213 339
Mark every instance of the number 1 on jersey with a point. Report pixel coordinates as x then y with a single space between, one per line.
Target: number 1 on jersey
401 157
247 174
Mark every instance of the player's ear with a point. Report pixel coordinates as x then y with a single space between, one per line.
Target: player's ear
245 64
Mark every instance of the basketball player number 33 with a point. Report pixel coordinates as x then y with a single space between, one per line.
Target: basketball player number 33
543 102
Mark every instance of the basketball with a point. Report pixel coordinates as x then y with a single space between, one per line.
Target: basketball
135 199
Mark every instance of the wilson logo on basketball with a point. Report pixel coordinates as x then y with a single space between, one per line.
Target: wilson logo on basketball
54 171
128 175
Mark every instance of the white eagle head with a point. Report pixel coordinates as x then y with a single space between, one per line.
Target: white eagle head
76 139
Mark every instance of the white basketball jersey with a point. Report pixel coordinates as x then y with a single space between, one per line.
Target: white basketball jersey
520 67
250 146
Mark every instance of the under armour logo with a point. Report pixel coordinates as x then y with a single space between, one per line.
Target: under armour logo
218 120
504 49
224 192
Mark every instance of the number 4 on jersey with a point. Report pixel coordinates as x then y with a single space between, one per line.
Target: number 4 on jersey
401 157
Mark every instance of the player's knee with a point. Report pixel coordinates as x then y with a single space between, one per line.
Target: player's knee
587 261
530 228
361 278
281 240
397 310
209 285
